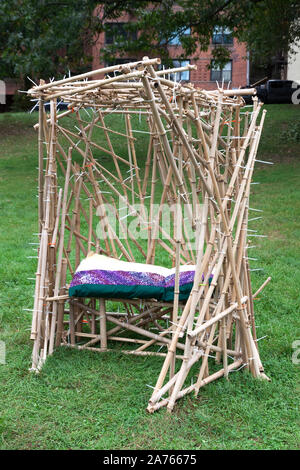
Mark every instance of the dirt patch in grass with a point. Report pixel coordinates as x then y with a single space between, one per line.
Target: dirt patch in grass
288 155
17 125
276 235
11 129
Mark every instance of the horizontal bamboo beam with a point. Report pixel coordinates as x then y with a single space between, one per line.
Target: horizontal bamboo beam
123 351
104 70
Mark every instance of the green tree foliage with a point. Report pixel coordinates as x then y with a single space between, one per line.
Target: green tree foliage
43 38
38 38
273 26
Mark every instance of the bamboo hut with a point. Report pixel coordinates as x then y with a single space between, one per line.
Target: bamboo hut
143 190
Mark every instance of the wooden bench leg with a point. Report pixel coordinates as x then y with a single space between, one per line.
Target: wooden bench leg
72 324
103 332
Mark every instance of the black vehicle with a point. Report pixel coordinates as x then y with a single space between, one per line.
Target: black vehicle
61 105
276 91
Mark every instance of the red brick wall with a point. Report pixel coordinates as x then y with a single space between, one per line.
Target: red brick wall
201 76
11 86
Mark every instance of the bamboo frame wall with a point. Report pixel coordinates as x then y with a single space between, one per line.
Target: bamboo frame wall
201 154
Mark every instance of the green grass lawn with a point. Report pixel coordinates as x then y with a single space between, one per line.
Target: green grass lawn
83 400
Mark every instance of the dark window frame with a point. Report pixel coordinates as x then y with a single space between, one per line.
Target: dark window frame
219 74
119 61
175 64
176 40
222 38
117 29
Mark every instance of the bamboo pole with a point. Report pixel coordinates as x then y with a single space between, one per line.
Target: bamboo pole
103 334
60 253
178 235
105 70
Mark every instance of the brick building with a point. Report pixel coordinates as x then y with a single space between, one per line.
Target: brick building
8 87
235 73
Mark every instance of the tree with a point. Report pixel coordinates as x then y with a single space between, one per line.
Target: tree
43 38
272 34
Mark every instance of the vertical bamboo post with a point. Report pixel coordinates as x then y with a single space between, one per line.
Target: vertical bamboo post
103 332
72 324
41 162
60 253
178 235
61 304
224 347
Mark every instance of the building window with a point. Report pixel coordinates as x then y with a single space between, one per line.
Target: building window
219 74
222 36
115 32
176 40
119 61
183 76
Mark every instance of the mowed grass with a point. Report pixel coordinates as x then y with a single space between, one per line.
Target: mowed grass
84 400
